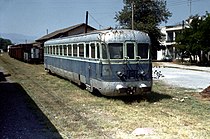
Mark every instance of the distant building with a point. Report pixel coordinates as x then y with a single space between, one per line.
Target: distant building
72 30
168 40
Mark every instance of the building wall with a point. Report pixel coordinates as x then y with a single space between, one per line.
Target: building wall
168 41
78 30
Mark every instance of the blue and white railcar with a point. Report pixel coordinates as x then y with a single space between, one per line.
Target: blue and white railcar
114 62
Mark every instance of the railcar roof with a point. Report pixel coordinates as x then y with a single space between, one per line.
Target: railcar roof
116 35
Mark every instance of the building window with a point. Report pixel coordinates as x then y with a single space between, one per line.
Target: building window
170 36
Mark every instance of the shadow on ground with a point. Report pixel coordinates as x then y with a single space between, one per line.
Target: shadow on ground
20 117
151 98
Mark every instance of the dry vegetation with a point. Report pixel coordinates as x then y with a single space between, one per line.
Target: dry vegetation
76 113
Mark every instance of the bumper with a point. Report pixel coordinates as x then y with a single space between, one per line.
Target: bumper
124 88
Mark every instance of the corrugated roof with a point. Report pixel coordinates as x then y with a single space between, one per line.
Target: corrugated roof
50 35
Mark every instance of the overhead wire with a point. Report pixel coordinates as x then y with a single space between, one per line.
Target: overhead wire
180 2
95 20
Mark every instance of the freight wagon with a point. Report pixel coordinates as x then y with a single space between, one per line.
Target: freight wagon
26 52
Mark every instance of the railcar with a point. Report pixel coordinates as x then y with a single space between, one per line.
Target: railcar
114 62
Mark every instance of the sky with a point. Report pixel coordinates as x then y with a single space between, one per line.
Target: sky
35 17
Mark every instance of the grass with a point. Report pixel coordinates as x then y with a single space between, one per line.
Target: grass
171 112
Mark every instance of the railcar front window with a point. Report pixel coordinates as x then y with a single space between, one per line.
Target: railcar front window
130 50
143 49
116 50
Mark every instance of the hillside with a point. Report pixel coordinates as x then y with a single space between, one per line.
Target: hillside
18 38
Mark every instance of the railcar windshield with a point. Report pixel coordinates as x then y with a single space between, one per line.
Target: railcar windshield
116 50
143 49
130 50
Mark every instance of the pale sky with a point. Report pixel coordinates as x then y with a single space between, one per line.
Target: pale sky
34 17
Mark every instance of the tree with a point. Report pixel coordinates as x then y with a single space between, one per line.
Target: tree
148 14
204 31
195 38
4 43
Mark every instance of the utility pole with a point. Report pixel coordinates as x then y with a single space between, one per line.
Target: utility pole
190 4
86 22
132 20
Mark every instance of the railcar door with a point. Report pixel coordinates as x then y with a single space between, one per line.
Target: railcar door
93 52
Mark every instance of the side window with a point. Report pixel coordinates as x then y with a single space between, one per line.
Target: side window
65 50
61 49
57 50
92 47
81 50
87 50
50 50
74 49
98 50
130 50
69 50
104 51
45 49
54 50
143 49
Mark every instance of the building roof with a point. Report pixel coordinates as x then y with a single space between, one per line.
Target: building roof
61 31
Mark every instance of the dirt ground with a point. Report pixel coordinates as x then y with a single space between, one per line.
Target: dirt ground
206 93
65 110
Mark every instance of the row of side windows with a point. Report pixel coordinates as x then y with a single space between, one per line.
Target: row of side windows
86 50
